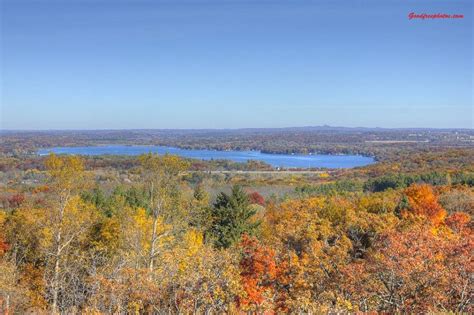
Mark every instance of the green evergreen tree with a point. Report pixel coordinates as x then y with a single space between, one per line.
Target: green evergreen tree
231 217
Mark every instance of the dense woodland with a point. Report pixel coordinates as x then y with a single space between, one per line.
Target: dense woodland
160 234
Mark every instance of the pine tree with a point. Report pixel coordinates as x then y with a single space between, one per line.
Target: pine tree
231 217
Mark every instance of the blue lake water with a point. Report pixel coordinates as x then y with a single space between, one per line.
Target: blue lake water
276 160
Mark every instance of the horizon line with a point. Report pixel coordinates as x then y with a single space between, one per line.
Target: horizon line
233 129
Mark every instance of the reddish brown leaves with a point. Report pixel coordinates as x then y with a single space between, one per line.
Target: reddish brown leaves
3 246
258 273
458 221
413 271
256 198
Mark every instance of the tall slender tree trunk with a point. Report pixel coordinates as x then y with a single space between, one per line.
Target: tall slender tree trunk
57 255
55 285
151 256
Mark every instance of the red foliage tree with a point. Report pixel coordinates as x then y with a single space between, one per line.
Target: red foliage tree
16 200
3 246
414 271
258 273
256 198
458 221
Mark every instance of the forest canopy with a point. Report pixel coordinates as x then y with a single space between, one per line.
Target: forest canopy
77 237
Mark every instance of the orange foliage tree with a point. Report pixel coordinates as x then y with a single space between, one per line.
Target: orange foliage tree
423 202
258 274
414 270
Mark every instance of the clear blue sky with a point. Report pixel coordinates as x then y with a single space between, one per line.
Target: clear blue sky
71 64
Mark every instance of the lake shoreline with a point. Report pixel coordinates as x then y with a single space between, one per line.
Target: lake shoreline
276 160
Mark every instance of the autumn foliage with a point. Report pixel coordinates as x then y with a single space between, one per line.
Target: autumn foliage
79 242
411 271
258 274
423 202
256 198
